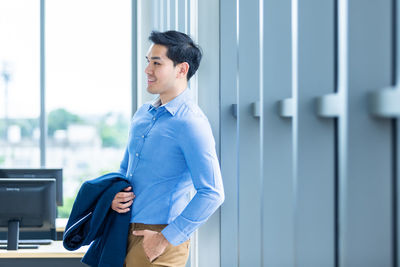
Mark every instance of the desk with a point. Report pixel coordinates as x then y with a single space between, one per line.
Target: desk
46 255
60 224
60 227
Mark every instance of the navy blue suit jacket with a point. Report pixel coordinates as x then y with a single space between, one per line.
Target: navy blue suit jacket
93 221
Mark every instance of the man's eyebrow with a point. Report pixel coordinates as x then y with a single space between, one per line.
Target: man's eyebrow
159 58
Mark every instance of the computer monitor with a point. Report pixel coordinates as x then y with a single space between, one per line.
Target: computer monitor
29 204
38 173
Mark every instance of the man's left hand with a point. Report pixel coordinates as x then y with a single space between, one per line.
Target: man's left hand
154 243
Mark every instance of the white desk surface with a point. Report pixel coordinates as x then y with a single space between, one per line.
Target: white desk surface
54 250
60 224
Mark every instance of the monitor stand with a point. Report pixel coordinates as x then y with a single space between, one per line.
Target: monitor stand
13 238
13 235
14 243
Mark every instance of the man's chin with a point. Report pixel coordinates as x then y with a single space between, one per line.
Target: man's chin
152 90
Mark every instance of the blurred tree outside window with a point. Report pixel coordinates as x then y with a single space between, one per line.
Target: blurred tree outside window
19 83
88 87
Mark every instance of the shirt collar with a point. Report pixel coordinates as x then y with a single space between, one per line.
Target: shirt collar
173 105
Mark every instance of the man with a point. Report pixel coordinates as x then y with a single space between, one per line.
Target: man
170 150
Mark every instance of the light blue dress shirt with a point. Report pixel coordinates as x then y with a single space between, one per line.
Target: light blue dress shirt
170 151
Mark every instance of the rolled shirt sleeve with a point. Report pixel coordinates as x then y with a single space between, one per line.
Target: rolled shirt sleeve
198 146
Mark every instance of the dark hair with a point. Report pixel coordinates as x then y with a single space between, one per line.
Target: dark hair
181 48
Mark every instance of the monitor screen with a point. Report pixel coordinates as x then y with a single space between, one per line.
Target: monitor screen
38 173
28 204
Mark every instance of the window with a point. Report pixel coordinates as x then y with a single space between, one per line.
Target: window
19 83
88 88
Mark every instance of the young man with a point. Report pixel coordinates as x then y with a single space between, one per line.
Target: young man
171 149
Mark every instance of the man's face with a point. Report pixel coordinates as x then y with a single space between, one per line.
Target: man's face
160 71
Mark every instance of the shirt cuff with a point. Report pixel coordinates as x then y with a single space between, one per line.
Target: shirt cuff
174 235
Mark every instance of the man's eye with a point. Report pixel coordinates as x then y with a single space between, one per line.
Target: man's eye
156 63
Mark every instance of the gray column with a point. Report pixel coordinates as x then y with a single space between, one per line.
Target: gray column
182 15
162 14
208 79
314 143
173 15
249 145
396 186
43 116
167 16
366 166
155 14
134 60
277 136
229 163
146 14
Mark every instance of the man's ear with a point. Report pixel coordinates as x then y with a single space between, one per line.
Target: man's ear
183 69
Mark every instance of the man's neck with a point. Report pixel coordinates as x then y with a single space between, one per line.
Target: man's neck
165 98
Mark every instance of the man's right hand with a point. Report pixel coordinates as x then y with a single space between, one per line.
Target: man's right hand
123 200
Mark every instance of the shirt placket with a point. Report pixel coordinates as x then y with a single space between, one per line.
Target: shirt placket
155 116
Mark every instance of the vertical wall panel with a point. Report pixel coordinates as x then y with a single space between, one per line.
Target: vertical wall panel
396 161
208 79
163 16
189 4
167 16
134 61
277 136
193 9
155 13
366 195
249 135
43 120
182 15
396 135
145 24
173 15
228 85
314 136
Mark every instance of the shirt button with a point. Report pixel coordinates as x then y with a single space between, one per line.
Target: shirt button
137 154
131 174
154 118
142 136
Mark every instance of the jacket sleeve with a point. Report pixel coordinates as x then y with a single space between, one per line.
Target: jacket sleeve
198 146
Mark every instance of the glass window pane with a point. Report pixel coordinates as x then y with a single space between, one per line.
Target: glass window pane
88 88
19 83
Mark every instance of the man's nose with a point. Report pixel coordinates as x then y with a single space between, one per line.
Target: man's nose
148 69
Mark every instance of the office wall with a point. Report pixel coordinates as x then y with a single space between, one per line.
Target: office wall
256 138
306 128
209 100
309 132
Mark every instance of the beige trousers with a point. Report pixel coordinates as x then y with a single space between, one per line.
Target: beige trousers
173 256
